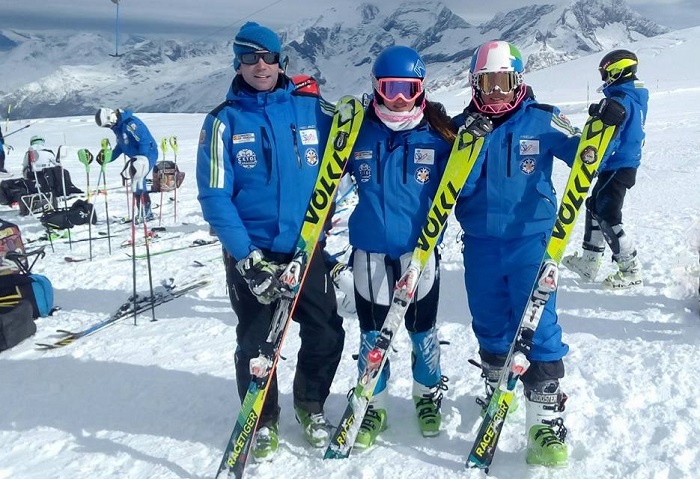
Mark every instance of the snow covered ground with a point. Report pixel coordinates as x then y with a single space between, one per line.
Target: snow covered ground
158 400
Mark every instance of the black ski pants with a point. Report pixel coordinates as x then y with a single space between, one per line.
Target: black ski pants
608 195
320 329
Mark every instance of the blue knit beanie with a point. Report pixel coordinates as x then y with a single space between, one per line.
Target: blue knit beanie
253 38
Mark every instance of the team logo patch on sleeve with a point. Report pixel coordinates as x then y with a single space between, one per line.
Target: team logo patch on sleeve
529 147
243 138
202 137
422 175
247 159
308 137
365 172
311 157
423 156
362 155
527 165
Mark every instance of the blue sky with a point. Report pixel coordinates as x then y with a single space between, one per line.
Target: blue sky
222 17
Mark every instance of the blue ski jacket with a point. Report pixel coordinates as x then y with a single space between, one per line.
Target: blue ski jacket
133 138
397 174
626 148
509 192
257 162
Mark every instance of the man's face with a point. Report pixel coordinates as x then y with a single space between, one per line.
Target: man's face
260 75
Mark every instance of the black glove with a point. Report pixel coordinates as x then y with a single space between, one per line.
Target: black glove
609 111
477 124
261 276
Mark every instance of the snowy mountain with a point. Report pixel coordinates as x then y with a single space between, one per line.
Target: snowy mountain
45 75
158 399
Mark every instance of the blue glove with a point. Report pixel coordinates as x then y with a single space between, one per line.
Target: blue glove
261 276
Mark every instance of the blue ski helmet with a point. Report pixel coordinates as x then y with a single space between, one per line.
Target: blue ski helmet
398 62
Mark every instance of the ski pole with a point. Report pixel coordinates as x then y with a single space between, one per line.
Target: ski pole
173 145
7 120
63 185
17 130
104 183
133 253
146 240
85 157
164 148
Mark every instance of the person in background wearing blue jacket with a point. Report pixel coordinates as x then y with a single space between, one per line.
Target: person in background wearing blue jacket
136 142
257 162
507 209
397 163
617 174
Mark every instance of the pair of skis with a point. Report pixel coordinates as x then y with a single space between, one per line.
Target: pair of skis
129 309
344 130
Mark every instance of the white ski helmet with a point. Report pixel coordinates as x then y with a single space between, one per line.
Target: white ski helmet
106 117
36 140
500 61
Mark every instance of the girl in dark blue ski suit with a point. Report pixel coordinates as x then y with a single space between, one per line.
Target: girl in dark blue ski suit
397 163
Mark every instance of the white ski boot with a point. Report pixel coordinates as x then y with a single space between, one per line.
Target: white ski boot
629 274
586 265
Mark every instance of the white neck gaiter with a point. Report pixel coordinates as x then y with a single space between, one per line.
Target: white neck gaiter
399 120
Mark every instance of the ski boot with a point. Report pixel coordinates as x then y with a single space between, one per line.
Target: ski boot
266 442
491 375
428 401
586 265
425 361
373 423
315 426
629 273
546 432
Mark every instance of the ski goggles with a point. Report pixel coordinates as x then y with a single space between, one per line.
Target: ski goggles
504 81
253 58
390 89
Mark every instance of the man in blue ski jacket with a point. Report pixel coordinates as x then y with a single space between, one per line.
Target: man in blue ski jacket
136 142
257 162
616 175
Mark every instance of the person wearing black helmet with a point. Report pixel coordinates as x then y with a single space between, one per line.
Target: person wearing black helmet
617 174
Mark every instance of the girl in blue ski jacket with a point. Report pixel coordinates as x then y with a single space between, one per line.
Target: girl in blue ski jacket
397 163
258 159
617 174
507 210
136 142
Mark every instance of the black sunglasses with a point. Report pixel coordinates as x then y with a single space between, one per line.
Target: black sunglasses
253 58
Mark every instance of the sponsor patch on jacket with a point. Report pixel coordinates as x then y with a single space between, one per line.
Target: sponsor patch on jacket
243 138
309 136
246 158
362 155
422 175
365 172
202 137
529 147
527 165
311 157
424 156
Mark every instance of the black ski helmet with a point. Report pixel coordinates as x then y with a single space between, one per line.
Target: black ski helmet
616 65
